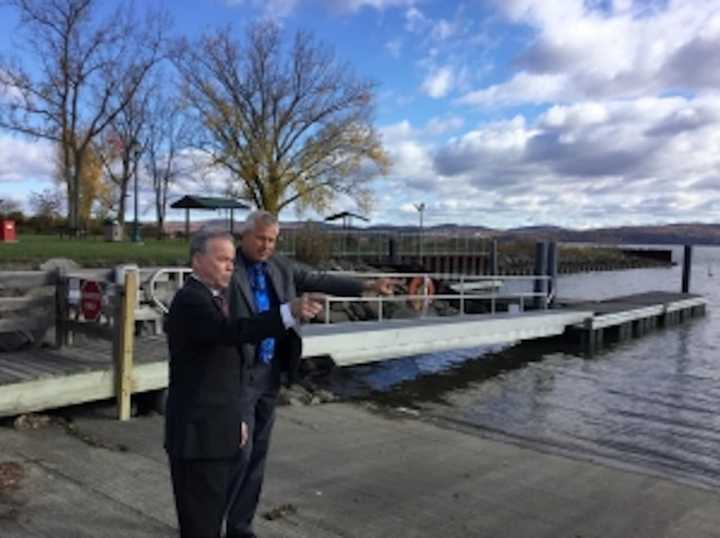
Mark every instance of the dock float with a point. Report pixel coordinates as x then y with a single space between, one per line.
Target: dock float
41 378
633 315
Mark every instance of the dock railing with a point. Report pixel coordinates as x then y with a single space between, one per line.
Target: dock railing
370 243
160 287
27 305
112 317
465 286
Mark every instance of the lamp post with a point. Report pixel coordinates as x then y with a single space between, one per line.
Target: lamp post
135 236
420 209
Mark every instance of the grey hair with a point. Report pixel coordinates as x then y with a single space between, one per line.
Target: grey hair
201 238
257 218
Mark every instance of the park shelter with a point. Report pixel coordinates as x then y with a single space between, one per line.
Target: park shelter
346 217
188 202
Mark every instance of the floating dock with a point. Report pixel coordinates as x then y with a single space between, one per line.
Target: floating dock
43 378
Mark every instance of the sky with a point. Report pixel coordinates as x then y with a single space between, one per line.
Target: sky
502 113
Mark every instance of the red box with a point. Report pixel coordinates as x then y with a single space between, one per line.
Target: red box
7 230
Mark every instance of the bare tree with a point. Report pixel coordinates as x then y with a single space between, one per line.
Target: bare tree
167 134
47 204
89 68
9 206
124 143
291 125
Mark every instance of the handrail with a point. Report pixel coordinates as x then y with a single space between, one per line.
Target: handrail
463 295
180 271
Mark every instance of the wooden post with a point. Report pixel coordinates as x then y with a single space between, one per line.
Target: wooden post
187 223
552 269
687 268
541 263
393 250
493 258
61 309
125 331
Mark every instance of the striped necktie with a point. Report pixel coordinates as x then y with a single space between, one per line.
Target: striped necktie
221 303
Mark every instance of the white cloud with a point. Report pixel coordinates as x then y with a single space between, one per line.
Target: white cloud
355 5
415 21
283 8
24 160
586 164
439 82
394 47
443 29
523 88
442 125
273 8
628 50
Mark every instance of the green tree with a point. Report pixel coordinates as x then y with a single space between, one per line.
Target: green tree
291 124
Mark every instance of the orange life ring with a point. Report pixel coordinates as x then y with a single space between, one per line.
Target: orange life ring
420 286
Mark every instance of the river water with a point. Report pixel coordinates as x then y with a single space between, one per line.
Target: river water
650 403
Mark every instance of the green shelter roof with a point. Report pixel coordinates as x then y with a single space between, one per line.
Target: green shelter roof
208 202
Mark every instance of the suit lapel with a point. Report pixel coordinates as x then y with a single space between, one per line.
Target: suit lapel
276 281
196 284
243 282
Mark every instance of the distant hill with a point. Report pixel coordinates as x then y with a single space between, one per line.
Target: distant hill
682 233
694 233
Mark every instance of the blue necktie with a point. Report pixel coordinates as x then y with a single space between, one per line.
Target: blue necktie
258 283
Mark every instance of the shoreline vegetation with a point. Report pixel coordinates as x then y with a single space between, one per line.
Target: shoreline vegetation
514 258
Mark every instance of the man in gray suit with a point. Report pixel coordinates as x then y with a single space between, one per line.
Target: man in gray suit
261 281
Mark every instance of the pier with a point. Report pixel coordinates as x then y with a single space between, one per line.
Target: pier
105 358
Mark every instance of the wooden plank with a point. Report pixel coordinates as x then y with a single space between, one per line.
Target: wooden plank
56 392
150 376
30 370
24 280
37 323
124 358
89 328
10 375
12 304
99 275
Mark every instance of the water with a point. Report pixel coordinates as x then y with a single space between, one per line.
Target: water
650 402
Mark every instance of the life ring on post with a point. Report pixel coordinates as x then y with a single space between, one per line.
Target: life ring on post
420 286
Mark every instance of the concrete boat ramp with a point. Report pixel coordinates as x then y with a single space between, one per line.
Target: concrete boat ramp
42 378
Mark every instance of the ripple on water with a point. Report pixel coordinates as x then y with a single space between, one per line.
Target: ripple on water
650 402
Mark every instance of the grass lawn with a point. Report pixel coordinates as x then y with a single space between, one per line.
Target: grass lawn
32 250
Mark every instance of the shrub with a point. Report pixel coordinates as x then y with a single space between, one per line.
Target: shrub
312 246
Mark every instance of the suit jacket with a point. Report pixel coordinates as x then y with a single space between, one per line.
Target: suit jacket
204 406
289 279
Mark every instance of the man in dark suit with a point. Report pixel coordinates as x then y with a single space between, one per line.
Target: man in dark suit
260 282
205 426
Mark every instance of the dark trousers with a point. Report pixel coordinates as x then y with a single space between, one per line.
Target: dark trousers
261 399
202 489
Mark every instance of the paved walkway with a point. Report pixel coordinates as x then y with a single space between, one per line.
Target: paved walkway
339 470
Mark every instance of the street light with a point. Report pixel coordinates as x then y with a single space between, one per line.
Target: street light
135 148
420 209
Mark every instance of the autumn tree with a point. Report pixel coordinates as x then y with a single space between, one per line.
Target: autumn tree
290 123
92 189
82 70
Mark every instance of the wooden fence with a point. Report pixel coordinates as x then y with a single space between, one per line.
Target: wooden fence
32 303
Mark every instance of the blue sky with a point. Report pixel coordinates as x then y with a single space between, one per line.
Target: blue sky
505 112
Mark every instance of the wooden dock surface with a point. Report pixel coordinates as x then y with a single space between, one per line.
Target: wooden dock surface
37 379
